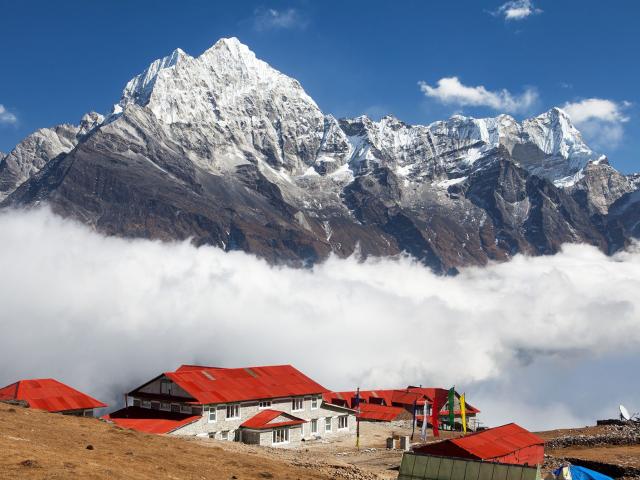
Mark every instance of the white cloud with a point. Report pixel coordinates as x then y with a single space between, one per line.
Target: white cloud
6 117
596 109
451 91
517 10
272 19
105 314
600 120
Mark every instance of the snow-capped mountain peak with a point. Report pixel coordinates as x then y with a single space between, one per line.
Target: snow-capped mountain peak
224 148
139 88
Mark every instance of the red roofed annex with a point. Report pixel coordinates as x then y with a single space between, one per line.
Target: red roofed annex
506 444
272 405
385 405
51 395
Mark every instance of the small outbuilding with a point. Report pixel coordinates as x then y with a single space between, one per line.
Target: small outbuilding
510 444
50 395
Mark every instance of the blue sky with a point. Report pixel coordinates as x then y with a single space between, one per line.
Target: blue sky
61 59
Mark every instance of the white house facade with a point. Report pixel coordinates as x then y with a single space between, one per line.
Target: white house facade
274 406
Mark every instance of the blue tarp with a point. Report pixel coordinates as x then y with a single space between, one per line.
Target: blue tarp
581 473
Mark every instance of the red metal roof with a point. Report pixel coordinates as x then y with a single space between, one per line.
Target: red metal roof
388 397
487 444
265 418
149 421
220 385
380 413
49 394
408 398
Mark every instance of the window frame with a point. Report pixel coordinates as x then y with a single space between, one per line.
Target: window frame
264 404
282 432
165 384
209 411
346 422
315 400
186 409
236 409
146 404
294 402
314 426
328 423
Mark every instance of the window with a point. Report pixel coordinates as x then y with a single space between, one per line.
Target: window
211 414
314 403
327 424
297 404
314 426
136 402
165 387
146 404
196 411
264 404
165 406
233 411
155 405
343 422
175 408
224 435
186 409
280 435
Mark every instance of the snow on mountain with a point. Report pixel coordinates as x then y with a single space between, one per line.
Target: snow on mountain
227 150
228 93
32 153
547 145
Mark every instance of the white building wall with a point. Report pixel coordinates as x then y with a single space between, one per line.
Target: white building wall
215 429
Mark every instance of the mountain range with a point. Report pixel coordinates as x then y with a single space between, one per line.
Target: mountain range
227 151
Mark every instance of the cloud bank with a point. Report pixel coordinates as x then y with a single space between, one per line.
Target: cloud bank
600 120
6 117
105 314
450 91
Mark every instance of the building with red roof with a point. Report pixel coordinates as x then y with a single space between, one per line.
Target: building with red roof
272 405
506 444
50 395
388 402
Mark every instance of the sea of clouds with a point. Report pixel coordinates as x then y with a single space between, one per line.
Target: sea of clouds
547 342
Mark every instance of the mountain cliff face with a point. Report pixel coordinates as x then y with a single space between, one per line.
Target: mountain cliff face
226 150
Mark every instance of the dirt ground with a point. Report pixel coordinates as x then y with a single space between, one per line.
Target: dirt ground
623 455
372 460
40 445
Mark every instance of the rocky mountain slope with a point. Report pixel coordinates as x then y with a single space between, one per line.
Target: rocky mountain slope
226 150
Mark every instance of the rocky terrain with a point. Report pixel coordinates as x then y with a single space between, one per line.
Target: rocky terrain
224 149
612 449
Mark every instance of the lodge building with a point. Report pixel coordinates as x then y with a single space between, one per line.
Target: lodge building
273 406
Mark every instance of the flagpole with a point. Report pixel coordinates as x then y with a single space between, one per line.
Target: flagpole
358 418
413 427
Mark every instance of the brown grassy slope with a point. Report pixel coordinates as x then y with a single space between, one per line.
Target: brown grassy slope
40 445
